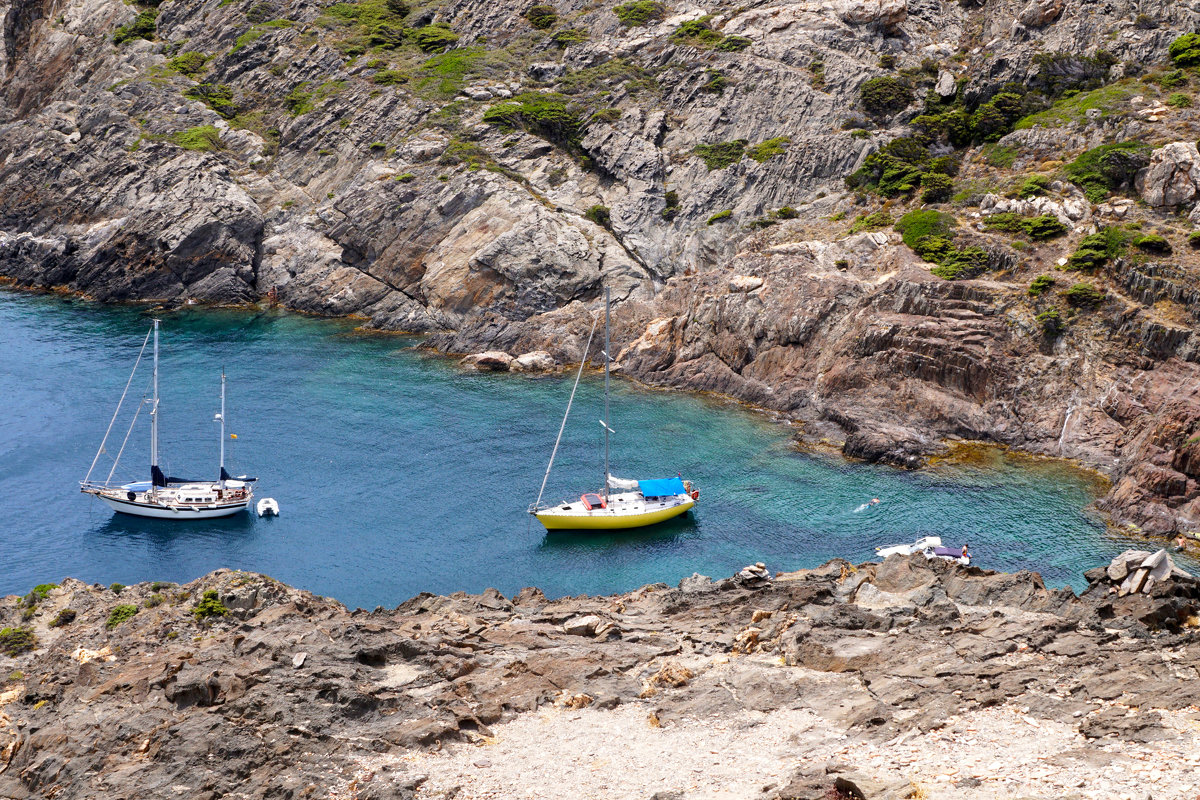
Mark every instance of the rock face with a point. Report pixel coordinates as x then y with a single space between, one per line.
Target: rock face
1172 177
343 165
287 689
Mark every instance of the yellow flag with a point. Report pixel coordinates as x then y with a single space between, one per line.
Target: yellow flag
233 436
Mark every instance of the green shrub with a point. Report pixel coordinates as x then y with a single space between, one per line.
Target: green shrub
116 588
1152 243
142 27
1040 284
720 215
14 641
1047 226
434 38
407 177
1051 322
542 17
39 592
919 226
961 263
1185 51
1005 221
154 600
1108 168
870 222
769 149
1173 79
549 115
606 115
1194 239
671 203
896 168
216 96
885 95
996 117
1034 186
569 36
721 154
600 215
64 617
190 63
201 137
696 32
639 12
936 187
1179 100
1001 156
716 82
786 212
120 614
734 44
389 77
1084 295
1098 249
210 605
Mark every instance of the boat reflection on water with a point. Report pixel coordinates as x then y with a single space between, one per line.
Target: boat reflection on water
127 528
650 537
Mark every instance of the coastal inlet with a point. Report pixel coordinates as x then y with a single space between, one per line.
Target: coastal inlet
398 472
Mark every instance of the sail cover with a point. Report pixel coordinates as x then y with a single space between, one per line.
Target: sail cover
621 483
662 487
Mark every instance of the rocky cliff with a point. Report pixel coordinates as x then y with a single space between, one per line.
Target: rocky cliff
735 173
893 680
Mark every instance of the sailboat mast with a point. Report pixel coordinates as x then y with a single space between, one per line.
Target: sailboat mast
222 417
154 470
607 344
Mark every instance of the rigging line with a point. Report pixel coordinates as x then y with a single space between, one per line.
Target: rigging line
117 460
118 411
562 427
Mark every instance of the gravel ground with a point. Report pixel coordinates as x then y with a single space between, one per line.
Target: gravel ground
623 754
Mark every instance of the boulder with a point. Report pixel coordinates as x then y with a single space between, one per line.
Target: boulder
1172 176
946 86
744 283
491 361
536 361
887 13
1040 12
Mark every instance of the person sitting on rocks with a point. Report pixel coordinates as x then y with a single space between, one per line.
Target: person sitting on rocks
1179 542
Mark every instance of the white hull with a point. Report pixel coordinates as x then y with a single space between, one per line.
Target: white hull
156 511
267 507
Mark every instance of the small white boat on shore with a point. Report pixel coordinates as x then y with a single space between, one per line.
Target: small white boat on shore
267 507
929 546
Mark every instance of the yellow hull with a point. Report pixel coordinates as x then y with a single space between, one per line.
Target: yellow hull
605 520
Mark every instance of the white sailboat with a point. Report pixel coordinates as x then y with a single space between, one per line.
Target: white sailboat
620 504
164 497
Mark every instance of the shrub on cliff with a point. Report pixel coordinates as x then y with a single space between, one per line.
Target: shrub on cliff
639 12
1006 221
210 605
201 137
1194 239
548 115
14 641
721 154
569 36
542 17
1185 51
697 33
734 44
434 38
1034 186
1108 168
966 262
1098 249
936 188
916 227
1051 323
216 96
190 63
1047 226
120 614
896 168
1040 284
600 215
1152 243
872 222
142 27
720 215
1084 295
885 95
64 617
768 149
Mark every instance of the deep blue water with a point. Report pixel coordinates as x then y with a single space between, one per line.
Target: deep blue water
397 472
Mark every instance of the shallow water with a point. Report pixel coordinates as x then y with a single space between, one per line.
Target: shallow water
397 472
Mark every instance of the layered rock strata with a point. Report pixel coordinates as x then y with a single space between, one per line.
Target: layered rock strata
155 693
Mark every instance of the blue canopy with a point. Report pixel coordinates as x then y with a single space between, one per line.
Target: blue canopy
662 487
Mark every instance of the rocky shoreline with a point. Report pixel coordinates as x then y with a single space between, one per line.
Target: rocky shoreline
894 680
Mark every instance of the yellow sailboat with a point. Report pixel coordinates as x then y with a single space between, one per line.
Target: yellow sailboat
620 504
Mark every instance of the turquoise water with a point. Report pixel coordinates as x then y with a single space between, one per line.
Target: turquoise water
397 472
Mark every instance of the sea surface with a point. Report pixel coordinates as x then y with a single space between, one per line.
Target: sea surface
398 472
